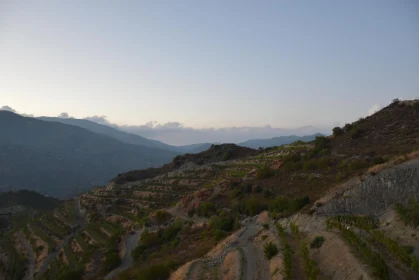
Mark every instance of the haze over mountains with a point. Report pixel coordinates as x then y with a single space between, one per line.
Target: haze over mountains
63 156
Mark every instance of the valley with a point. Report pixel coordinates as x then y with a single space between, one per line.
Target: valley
339 207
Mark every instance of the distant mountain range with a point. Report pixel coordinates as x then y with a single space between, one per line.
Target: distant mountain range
126 137
135 139
54 158
60 157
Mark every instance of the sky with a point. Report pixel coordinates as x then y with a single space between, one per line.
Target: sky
208 64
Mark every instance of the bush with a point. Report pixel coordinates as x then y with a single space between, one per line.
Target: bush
219 234
162 216
264 172
409 214
265 226
378 160
270 250
355 132
153 272
282 204
347 127
337 131
317 242
253 206
206 209
112 261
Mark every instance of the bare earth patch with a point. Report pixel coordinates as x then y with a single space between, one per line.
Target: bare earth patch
335 259
230 269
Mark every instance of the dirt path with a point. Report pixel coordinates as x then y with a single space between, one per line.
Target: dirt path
31 255
130 244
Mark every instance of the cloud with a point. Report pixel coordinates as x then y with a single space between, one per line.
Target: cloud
101 120
8 108
98 119
176 133
64 115
375 108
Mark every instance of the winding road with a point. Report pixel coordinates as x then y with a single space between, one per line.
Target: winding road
130 244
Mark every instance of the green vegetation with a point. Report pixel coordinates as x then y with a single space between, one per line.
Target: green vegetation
409 213
68 273
28 199
150 241
41 234
94 231
309 265
80 240
286 206
270 250
372 258
286 252
206 209
337 131
265 226
153 272
397 250
264 172
317 242
355 132
363 222
69 254
162 216
15 270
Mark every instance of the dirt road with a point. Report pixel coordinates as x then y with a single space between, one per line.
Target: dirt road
130 244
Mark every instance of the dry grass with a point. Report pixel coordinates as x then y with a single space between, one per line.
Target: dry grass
230 268
397 160
180 273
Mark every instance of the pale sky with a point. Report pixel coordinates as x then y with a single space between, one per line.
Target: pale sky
209 63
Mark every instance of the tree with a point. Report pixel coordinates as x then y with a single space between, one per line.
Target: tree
337 131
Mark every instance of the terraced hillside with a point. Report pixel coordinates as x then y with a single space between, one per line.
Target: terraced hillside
334 208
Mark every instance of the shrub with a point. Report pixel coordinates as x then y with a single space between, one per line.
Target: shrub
264 172
347 127
265 226
378 160
355 132
317 242
162 216
282 204
219 234
409 213
153 272
337 131
270 250
112 260
253 206
206 209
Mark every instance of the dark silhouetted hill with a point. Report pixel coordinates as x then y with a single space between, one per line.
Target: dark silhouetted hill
54 158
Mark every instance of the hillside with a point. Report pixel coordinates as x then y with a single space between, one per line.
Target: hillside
126 137
339 207
55 159
122 136
277 141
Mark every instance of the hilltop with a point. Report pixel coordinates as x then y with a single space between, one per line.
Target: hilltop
343 206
